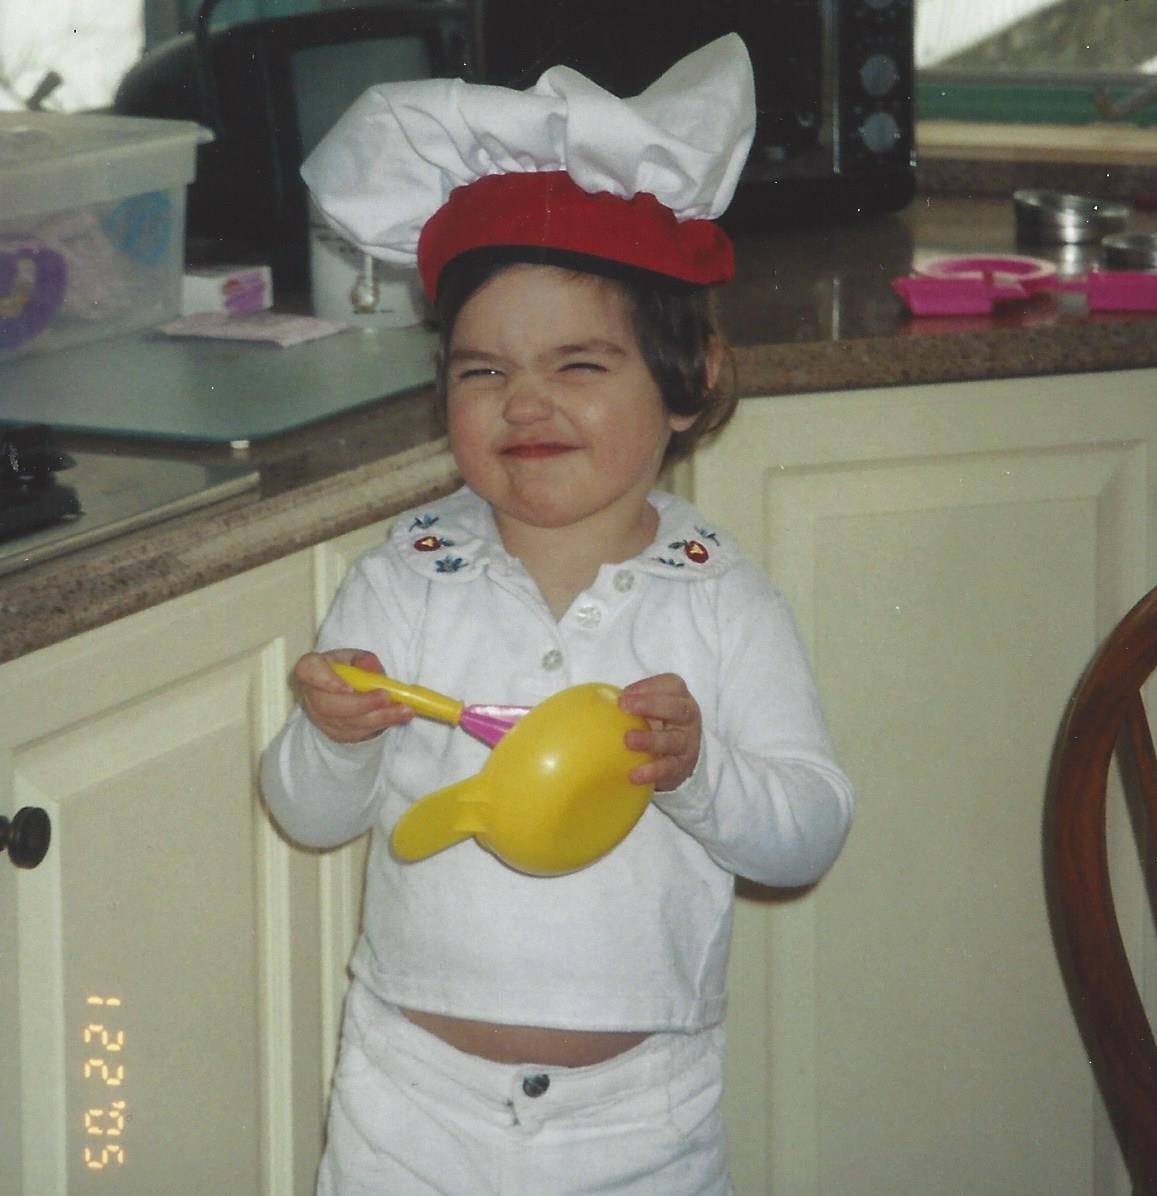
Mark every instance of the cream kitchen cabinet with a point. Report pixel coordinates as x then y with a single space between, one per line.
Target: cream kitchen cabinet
170 975
953 554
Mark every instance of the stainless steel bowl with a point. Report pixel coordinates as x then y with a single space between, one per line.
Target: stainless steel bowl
1058 218
1130 251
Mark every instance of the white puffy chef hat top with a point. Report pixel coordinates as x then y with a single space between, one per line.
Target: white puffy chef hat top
419 172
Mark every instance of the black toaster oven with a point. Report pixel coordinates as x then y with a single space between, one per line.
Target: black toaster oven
834 83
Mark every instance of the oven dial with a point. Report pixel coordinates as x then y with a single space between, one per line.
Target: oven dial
880 132
879 74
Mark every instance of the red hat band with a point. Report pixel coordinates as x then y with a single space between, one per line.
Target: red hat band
548 210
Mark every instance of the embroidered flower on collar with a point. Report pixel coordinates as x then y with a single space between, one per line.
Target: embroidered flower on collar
431 542
450 538
695 551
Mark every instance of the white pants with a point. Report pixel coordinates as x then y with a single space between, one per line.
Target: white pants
411 1116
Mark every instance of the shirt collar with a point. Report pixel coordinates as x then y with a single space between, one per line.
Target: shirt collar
686 545
455 539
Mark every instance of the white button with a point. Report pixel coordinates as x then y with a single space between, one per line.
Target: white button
624 581
588 616
552 660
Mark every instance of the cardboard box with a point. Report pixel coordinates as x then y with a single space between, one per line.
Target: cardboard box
92 226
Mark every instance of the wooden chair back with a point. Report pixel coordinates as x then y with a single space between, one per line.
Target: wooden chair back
1106 716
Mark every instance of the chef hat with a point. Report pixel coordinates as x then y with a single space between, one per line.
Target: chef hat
423 171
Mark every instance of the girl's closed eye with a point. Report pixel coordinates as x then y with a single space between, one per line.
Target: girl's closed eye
473 367
593 356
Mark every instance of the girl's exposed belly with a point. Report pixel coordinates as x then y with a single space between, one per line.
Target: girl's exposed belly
527 1044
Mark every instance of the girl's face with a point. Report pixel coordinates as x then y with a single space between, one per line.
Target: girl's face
553 415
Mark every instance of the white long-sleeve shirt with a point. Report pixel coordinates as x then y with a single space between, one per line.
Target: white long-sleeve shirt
639 939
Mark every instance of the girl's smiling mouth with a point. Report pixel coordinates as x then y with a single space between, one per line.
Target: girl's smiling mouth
536 450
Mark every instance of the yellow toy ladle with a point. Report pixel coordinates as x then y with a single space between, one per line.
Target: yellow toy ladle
553 796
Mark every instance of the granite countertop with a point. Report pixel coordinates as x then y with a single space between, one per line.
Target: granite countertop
815 311
810 310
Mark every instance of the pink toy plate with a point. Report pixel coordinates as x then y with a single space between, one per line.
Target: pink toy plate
1117 290
955 296
1032 274
974 284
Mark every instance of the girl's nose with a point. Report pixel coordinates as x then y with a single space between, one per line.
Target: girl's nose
526 400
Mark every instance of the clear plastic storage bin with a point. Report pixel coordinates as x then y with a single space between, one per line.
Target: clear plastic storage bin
92 226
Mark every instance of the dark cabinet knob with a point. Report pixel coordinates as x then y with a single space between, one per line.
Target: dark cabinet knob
26 836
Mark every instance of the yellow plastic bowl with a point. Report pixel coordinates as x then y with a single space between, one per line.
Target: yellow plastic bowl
553 797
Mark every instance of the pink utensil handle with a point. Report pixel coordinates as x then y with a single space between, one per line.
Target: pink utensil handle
487 723
490 723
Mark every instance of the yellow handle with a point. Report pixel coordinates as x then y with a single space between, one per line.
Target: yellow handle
425 701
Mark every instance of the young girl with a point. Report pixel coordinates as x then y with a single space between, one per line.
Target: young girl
506 1033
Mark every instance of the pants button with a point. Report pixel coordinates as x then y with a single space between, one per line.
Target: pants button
535 1085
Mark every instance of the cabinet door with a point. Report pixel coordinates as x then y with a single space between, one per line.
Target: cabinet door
954 554
159 970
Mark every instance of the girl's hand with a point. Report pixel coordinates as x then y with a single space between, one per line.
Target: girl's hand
676 730
337 710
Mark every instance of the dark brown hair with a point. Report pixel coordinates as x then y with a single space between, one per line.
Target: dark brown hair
675 323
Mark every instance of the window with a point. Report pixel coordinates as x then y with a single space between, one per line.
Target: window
66 55
1013 60
1048 61
69 55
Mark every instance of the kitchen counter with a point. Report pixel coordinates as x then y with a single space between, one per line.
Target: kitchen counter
810 310
815 311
